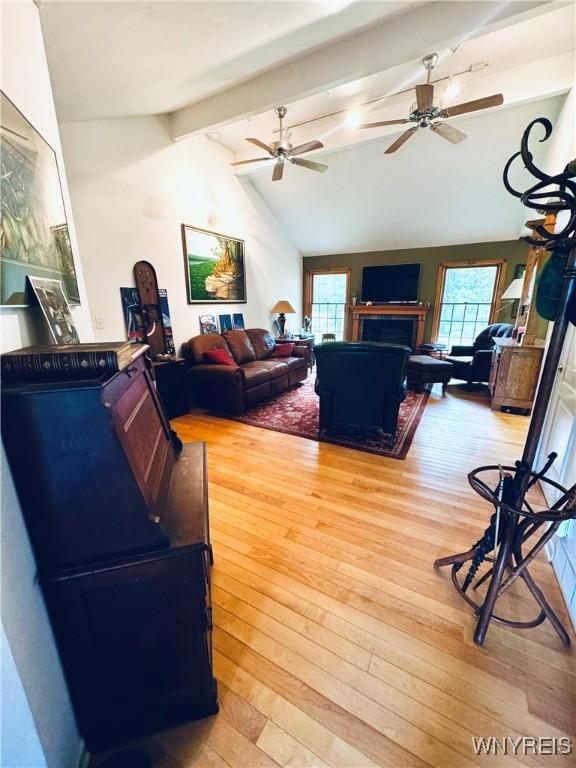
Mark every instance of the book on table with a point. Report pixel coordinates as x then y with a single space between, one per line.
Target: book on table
44 362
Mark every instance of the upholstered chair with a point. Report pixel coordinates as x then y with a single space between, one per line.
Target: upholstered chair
472 363
360 384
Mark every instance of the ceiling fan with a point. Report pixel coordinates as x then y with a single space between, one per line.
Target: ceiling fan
426 112
282 151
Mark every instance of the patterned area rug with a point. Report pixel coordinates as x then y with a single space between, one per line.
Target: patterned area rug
296 412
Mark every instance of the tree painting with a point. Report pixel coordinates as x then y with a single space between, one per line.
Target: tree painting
214 267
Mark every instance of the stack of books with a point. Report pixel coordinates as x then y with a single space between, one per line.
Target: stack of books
62 362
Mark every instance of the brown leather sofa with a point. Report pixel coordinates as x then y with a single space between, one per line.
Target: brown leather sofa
255 377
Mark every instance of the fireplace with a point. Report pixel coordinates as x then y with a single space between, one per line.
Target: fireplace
392 329
392 323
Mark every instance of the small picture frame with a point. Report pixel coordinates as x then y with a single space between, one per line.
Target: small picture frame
208 325
225 323
238 321
54 304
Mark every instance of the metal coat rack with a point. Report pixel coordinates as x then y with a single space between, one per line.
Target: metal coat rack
515 524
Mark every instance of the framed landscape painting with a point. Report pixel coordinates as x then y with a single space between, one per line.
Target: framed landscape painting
214 266
34 237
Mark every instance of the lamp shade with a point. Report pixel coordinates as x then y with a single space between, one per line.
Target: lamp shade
283 307
514 290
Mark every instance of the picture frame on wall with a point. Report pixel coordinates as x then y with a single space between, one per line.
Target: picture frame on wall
208 325
225 323
238 321
55 308
35 237
215 267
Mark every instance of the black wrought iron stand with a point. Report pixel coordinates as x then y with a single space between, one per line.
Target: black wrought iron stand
514 521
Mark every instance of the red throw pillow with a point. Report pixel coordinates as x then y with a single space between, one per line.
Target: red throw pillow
219 357
282 350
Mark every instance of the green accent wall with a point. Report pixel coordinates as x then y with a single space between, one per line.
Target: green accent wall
514 252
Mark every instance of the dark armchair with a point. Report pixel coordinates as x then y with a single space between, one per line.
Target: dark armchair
360 384
472 364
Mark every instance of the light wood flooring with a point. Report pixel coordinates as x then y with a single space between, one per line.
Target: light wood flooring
336 643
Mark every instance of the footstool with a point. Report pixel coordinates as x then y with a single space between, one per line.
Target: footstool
423 369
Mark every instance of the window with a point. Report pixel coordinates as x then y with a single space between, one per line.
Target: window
467 300
326 300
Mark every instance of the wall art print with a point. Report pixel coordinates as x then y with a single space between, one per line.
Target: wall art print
34 236
225 323
208 325
134 317
55 308
214 263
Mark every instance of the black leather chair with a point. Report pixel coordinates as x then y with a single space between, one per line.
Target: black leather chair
472 363
360 384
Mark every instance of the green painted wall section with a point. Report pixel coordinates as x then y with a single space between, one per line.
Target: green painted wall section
513 251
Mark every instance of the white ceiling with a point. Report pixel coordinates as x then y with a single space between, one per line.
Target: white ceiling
429 193
118 59
220 68
533 39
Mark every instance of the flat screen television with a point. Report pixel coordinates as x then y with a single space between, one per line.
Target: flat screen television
390 283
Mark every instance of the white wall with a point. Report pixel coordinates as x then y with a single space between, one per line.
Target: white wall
132 187
37 719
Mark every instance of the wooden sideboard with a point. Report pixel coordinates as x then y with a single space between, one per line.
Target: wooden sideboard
118 520
416 311
514 374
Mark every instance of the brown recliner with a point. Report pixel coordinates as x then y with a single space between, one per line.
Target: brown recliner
255 377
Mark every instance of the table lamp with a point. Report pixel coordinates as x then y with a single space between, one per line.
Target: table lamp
283 307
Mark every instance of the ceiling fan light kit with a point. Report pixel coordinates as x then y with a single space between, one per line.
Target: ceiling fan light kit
282 151
426 112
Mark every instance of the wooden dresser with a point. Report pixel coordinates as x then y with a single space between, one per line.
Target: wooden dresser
118 520
514 374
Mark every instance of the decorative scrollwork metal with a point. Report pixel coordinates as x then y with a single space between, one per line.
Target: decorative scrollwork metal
550 194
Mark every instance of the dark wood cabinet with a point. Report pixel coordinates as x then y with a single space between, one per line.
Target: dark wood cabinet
170 377
118 520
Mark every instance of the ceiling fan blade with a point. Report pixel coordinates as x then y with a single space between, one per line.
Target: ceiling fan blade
448 132
278 171
473 106
255 160
308 147
384 122
399 141
263 146
424 97
320 167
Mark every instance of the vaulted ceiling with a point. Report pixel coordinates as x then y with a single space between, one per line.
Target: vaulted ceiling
220 68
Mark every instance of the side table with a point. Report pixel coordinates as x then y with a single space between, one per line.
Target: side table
170 378
306 341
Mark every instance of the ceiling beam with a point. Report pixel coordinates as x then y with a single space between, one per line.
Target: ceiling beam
393 41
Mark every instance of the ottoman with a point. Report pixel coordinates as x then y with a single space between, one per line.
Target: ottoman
423 369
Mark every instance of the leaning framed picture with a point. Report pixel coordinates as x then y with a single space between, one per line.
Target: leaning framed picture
55 308
34 232
214 263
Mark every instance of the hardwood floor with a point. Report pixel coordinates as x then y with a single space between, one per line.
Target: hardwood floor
336 642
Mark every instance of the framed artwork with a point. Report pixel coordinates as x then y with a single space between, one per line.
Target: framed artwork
214 266
208 324
225 323
34 232
134 317
52 300
238 321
